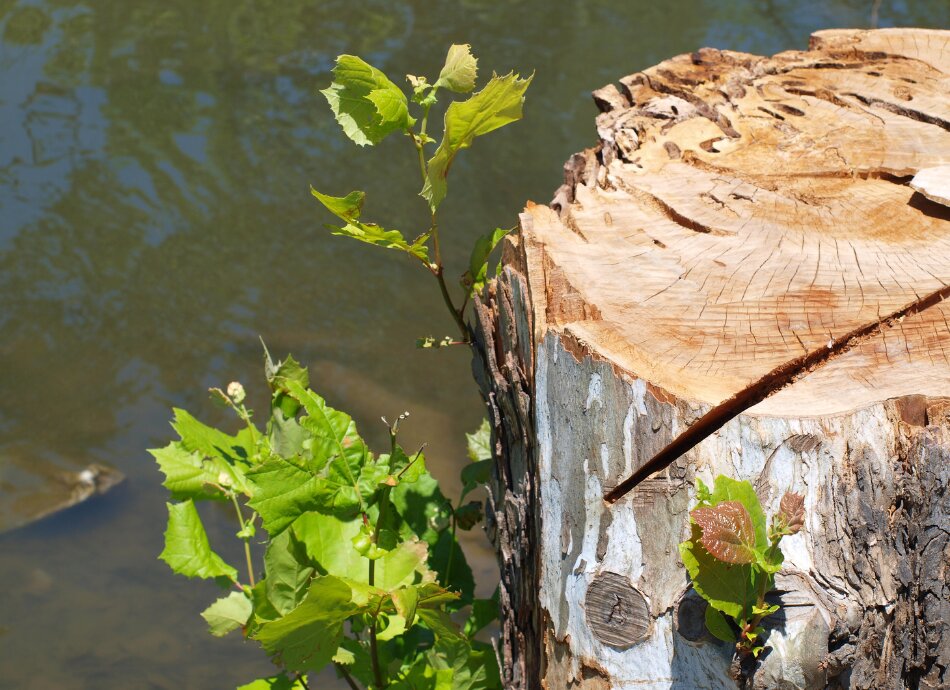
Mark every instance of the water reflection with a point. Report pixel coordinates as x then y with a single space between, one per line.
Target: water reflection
154 219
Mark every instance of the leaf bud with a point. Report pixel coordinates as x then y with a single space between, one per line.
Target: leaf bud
236 392
792 512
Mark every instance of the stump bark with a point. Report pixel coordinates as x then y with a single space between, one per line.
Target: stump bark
745 276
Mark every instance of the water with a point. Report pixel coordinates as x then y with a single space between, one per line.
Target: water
155 219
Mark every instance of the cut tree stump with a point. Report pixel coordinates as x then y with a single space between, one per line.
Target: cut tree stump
746 276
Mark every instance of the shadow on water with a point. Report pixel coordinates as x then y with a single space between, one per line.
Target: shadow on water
155 219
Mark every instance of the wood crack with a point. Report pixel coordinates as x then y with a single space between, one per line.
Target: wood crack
782 376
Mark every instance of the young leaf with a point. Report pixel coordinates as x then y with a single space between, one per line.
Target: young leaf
479 443
187 551
791 513
348 209
227 614
440 624
288 570
477 272
475 475
727 532
718 626
381 237
459 71
406 599
727 489
362 118
469 515
281 682
308 637
730 588
497 105
187 474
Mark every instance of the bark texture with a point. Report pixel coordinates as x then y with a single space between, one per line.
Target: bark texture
754 258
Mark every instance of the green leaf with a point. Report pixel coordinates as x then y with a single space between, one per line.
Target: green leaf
727 531
394 627
473 667
475 475
329 544
187 551
479 443
227 614
422 506
281 682
469 515
188 474
448 560
439 623
718 626
288 570
286 488
477 272
362 118
459 71
309 636
229 455
390 239
484 612
347 208
727 489
497 105
727 587
406 599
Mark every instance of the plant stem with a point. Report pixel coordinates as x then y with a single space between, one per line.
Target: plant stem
346 676
247 546
303 681
374 648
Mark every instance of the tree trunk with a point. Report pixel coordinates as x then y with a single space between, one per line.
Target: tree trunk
746 276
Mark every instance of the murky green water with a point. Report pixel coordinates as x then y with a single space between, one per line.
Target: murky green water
155 219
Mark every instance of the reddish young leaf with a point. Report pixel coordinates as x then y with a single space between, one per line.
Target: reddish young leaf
792 511
728 534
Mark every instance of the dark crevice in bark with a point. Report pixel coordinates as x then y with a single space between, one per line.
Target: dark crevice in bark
774 381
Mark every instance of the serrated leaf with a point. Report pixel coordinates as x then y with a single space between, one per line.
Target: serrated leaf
187 551
469 515
349 98
288 572
477 272
460 69
227 614
475 475
727 531
727 489
406 599
381 237
286 488
188 474
280 682
718 626
395 626
791 515
347 208
478 443
230 455
308 637
329 543
497 105
392 107
729 588
439 623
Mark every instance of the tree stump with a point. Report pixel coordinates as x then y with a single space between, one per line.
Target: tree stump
746 276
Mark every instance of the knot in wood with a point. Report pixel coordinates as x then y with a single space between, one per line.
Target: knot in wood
617 612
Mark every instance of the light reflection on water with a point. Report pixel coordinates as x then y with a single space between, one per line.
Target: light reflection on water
154 220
